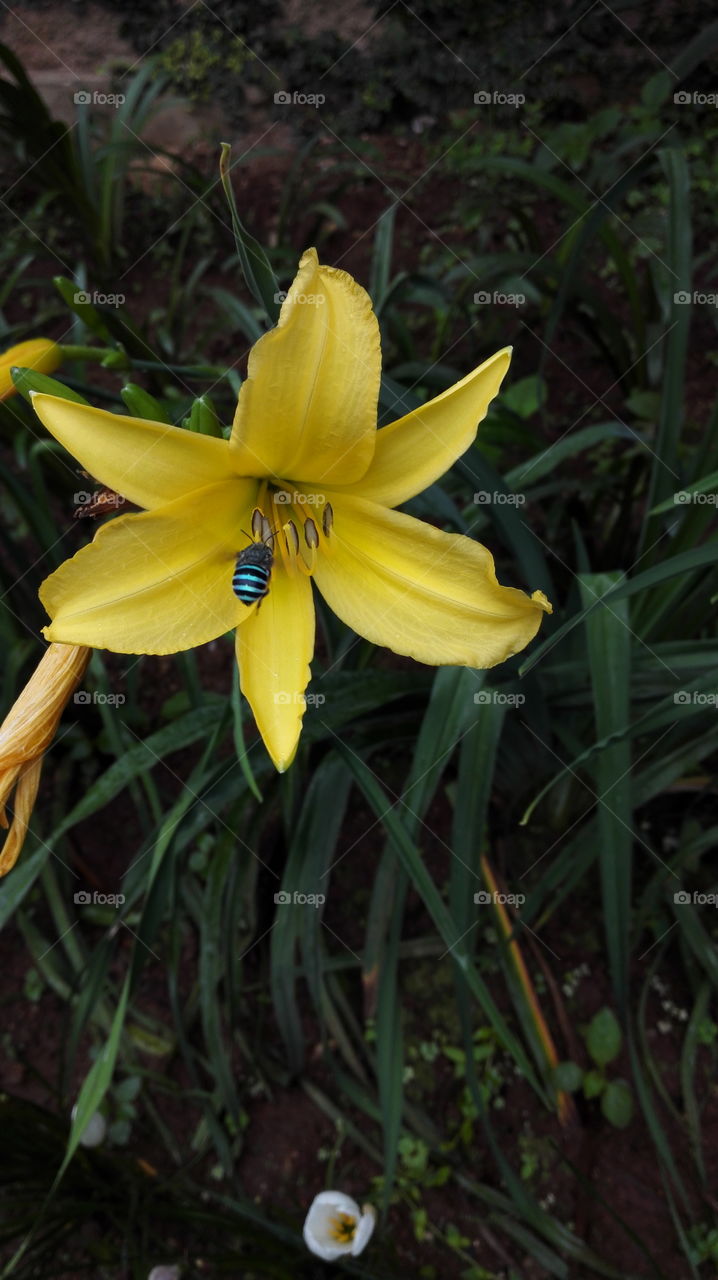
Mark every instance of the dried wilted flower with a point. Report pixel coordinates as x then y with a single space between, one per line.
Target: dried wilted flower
26 733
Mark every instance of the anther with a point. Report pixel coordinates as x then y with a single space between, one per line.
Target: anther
327 519
258 522
311 534
291 537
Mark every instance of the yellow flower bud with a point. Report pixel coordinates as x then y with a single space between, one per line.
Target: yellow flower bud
39 353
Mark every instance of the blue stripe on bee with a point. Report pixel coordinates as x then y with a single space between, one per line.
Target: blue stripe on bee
250 581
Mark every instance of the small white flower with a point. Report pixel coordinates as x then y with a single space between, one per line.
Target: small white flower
335 1225
164 1273
95 1130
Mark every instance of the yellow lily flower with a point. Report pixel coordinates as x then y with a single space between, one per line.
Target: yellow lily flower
39 353
26 733
306 455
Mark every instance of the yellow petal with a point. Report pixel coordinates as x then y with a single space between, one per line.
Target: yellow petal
417 449
307 410
38 353
158 582
29 727
148 463
274 649
27 731
430 595
25 795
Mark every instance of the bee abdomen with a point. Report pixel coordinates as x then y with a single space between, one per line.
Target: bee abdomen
250 582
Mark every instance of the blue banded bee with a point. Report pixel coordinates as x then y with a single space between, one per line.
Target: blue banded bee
250 580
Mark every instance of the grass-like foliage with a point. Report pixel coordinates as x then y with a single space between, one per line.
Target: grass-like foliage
454 845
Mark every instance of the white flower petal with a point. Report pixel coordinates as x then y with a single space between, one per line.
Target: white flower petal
364 1231
94 1131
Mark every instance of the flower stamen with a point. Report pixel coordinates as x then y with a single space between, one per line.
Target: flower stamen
257 523
287 540
342 1228
311 534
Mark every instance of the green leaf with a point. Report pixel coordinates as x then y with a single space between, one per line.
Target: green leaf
679 263
573 442
525 397
97 1081
139 758
258 274
682 564
609 653
19 881
28 382
203 419
603 1037
380 271
142 405
617 1104
568 1076
594 1083
78 300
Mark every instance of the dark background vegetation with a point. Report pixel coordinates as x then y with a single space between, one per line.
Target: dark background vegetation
390 1045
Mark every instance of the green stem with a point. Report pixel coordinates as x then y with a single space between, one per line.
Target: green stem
72 352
